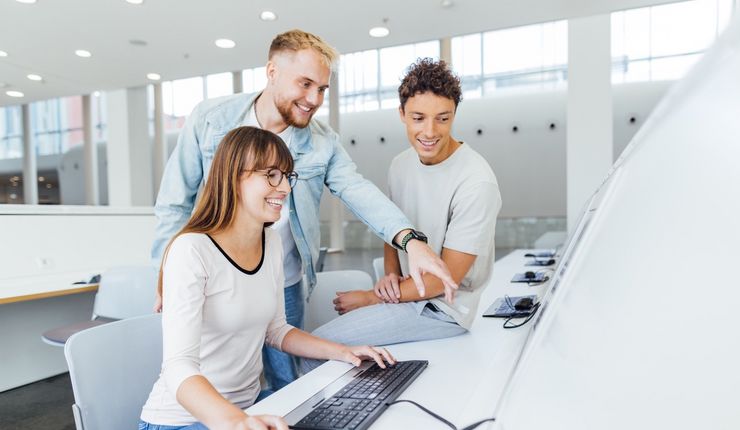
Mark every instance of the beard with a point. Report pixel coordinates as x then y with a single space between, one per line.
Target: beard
286 112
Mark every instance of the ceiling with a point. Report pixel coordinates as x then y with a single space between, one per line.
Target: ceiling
41 38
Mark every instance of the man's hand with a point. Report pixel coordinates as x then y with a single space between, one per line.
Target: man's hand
423 260
350 300
388 288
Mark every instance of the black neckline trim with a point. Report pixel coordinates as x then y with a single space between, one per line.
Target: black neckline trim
233 263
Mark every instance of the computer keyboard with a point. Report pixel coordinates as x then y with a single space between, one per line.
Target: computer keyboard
356 405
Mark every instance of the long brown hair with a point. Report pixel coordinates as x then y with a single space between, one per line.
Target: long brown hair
243 148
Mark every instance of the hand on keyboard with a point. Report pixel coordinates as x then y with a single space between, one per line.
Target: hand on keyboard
260 422
355 354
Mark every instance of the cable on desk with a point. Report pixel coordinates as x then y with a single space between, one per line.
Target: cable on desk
529 317
449 424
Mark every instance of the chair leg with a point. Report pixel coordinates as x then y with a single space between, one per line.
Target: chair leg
78 417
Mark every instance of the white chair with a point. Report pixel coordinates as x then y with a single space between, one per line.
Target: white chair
379 268
124 292
113 368
320 309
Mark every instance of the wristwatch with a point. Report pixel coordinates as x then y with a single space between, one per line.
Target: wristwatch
411 235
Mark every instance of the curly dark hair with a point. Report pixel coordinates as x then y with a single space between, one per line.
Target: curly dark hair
429 75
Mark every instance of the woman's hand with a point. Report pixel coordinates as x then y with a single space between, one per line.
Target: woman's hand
257 422
356 354
350 300
388 288
157 303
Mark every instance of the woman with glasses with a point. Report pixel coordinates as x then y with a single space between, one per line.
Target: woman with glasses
222 288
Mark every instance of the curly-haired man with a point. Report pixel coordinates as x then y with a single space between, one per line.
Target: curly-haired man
449 191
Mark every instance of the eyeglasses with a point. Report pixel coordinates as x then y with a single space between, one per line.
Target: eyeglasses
275 177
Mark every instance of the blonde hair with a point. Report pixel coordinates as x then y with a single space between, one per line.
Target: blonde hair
296 40
242 149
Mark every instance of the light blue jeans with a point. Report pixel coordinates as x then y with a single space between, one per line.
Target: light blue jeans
386 324
143 425
281 368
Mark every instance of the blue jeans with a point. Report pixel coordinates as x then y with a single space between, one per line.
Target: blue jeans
143 425
281 368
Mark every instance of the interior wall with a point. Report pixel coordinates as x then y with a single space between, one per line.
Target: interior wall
529 163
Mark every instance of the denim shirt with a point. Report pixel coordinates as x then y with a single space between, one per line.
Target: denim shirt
319 159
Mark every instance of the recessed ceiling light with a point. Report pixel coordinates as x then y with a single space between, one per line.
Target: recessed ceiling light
12 93
82 53
3 54
153 76
135 1
26 1
446 3
96 93
225 43
379 32
34 77
268 15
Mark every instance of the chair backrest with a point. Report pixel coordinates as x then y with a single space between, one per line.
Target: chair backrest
113 368
320 261
320 309
125 292
379 268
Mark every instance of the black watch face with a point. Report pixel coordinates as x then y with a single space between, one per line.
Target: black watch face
421 236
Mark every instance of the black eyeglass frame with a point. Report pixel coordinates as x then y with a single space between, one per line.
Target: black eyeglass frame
271 175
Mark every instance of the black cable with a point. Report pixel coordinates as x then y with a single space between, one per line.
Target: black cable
449 424
529 317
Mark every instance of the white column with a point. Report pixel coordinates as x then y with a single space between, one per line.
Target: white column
445 50
30 171
237 81
336 221
160 154
90 148
129 149
589 117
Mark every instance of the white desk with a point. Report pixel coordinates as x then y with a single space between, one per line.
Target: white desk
466 374
45 250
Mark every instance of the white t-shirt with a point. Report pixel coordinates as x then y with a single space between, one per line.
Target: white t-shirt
291 257
455 203
216 317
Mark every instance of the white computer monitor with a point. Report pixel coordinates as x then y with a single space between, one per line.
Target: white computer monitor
641 331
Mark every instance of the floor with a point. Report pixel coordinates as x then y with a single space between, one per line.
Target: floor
46 405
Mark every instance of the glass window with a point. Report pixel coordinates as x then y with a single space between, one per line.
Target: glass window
186 94
393 62
682 27
11 137
248 81
663 42
637 33
513 49
221 84
56 124
466 55
533 55
259 79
